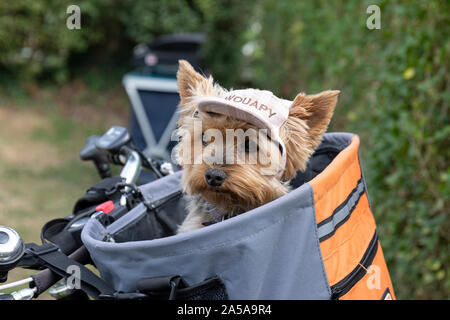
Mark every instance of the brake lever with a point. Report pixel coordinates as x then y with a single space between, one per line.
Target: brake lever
91 152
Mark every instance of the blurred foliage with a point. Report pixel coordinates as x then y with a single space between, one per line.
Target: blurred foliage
34 39
394 86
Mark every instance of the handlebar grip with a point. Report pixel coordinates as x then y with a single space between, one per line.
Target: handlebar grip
103 169
6 297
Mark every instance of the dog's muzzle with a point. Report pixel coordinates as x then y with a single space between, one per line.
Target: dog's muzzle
215 177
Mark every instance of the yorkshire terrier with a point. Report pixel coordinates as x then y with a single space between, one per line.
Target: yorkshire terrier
268 140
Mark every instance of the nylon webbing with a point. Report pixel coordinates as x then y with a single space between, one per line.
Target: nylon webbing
59 263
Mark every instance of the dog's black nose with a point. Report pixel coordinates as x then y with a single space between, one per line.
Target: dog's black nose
215 177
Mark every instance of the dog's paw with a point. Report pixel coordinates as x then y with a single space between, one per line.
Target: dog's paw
192 222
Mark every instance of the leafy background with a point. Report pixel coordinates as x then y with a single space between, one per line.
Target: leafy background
394 86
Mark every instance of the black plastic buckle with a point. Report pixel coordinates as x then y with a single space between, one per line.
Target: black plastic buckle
161 287
40 250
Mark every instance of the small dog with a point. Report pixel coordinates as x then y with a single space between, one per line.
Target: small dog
222 189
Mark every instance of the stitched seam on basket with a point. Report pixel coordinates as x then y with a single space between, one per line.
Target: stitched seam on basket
325 276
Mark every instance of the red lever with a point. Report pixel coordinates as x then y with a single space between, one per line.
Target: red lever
106 207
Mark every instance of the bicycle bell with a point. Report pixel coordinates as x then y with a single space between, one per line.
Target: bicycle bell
12 250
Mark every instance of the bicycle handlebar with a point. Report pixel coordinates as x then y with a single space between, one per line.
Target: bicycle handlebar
43 280
46 278
133 161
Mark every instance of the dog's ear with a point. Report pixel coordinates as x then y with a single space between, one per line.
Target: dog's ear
302 132
316 110
187 79
191 84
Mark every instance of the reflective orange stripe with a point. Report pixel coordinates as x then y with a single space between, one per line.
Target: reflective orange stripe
332 186
374 284
343 251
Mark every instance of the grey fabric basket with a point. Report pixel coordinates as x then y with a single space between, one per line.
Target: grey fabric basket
271 252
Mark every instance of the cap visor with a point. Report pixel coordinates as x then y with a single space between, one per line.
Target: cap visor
228 108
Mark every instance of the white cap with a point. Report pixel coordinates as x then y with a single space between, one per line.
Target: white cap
258 107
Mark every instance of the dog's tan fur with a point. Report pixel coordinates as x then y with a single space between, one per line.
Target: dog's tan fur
246 187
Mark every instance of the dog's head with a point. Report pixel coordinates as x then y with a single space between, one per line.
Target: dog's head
237 165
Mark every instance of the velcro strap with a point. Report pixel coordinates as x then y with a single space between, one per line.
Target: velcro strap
59 263
54 231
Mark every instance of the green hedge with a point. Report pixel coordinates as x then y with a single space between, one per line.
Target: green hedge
394 83
34 39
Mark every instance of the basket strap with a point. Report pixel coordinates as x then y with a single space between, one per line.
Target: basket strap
175 288
61 265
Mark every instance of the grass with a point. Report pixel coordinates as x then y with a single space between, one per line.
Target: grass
42 132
